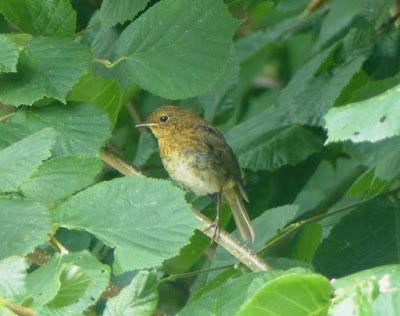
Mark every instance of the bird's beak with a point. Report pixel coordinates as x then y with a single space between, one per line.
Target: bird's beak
146 125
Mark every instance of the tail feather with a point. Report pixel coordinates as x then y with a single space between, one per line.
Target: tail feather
240 215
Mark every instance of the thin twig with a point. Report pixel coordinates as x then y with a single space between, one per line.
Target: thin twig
6 117
233 246
118 164
59 246
20 310
312 6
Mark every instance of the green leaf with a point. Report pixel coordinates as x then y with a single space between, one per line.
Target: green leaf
61 177
367 185
120 11
138 298
370 120
370 292
178 48
227 298
104 93
292 294
67 285
12 278
153 221
220 93
24 225
44 283
266 226
8 55
19 160
41 74
365 238
382 155
287 146
306 243
82 128
41 17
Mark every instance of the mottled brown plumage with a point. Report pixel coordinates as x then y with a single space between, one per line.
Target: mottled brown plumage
197 157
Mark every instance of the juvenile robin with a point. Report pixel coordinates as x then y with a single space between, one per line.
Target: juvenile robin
197 157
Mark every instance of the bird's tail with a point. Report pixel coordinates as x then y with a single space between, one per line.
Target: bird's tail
239 212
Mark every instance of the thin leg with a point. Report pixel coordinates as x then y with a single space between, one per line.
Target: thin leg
215 224
217 217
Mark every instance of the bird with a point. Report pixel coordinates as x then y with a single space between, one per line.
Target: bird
198 158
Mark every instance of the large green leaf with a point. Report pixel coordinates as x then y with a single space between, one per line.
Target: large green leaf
119 11
12 278
48 67
146 220
8 55
291 294
41 17
19 160
138 298
61 177
371 292
24 225
227 298
177 48
370 120
287 146
82 128
104 93
365 238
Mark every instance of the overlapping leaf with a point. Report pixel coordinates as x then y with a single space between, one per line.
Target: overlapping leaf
8 55
48 67
24 225
41 17
177 49
152 224
119 11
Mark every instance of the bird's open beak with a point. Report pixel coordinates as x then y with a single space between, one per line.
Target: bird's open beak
146 125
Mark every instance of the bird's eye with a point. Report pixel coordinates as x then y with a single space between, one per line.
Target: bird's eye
164 118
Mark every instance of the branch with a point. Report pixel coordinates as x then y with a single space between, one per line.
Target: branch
312 6
20 310
233 246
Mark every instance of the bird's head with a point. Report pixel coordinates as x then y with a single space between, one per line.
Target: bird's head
169 120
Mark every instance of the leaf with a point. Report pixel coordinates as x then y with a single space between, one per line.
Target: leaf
68 284
41 74
19 160
370 120
44 283
287 146
365 238
382 155
104 93
214 99
374 292
367 186
153 221
178 48
61 177
82 128
227 298
12 278
266 226
120 11
8 55
294 294
138 298
24 225
41 17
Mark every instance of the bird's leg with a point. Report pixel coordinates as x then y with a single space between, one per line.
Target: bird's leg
215 224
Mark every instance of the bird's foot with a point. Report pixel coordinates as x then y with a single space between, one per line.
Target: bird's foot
217 230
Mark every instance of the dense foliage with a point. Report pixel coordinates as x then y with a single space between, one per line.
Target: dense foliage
306 93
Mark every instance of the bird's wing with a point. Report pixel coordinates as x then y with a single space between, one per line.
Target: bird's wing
217 144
